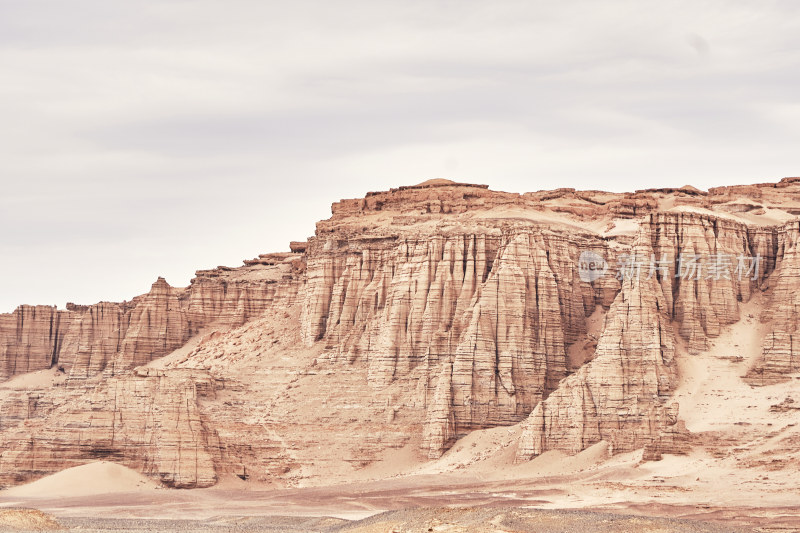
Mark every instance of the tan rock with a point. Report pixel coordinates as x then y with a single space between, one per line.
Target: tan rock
619 395
781 353
114 338
413 317
701 287
485 316
29 339
147 421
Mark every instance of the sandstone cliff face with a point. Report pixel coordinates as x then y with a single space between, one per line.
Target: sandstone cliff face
113 338
149 421
155 326
781 349
96 337
29 339
699 283
486 316
411 318
619 394
509 352
229 297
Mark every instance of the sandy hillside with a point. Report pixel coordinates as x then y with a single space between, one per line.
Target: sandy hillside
94 478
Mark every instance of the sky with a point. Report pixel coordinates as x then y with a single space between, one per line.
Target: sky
157 137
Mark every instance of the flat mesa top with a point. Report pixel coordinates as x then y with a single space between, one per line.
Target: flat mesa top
435 181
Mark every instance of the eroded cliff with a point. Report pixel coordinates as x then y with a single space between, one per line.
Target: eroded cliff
116 337
412 318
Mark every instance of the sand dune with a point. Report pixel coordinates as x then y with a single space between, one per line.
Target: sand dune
94 478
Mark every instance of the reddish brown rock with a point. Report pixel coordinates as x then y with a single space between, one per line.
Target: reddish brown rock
781 349
114 338
149 421
621 395
485 316
29 339
413 317
700 283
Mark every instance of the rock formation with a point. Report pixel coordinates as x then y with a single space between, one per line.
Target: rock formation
621 395
488 313
149 421
114 338
700 282
781 353
410 319
30 338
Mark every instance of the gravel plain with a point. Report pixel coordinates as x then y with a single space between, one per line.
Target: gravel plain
423 520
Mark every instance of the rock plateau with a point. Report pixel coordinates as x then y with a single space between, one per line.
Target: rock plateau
411 319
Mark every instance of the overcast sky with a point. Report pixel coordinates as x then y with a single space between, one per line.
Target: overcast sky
156 137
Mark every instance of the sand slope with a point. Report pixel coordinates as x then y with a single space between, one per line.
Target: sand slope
94 478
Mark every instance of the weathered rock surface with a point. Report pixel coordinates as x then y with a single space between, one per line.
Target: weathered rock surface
149 421
781 349
621 395
486 316
114 338
30 338
413 317
700 283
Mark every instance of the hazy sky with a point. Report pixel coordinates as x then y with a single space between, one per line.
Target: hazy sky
157 137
